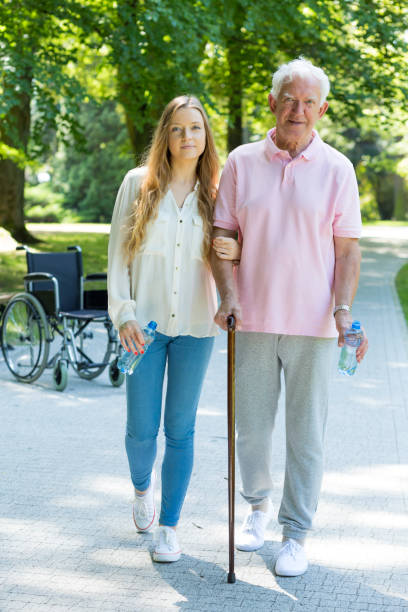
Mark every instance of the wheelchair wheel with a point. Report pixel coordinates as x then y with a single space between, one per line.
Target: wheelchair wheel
60 375
116 377
93 347
24 337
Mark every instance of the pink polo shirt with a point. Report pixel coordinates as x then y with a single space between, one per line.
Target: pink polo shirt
287 212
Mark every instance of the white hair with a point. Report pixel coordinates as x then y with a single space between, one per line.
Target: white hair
303 68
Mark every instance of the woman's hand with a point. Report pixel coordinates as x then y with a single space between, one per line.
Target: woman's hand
131 337
227 248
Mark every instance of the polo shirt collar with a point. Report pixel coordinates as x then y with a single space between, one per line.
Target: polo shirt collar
272 151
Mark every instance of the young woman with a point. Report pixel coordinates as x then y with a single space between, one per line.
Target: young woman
158 270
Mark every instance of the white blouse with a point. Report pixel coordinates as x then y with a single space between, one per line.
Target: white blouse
167 281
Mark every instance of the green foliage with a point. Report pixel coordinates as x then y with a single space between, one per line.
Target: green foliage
38 41
155 48
90 177
15 155
368 202
43 205
401 283
360 45
66 67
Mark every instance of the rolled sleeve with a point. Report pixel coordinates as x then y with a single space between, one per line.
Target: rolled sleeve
225 205
347 217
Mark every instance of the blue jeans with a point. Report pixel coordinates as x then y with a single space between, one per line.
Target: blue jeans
187 359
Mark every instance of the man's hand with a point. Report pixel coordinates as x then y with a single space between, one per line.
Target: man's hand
131 337
343 323
229 306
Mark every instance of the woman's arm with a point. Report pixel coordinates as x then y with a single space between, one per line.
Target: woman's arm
120 303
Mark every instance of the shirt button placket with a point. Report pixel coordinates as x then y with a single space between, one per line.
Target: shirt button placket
175 309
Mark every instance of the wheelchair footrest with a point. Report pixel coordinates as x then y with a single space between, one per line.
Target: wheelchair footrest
88 366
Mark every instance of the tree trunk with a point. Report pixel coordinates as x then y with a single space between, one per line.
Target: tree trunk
234 46
15 133
12 199
234 136
140 140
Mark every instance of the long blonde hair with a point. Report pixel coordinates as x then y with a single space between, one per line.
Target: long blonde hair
158 176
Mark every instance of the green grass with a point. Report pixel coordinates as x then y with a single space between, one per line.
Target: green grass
94 252
388 223
401 283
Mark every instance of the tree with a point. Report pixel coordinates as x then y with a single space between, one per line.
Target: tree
90 177
38 95
360 45
156 47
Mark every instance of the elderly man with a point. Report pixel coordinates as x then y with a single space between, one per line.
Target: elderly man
294 201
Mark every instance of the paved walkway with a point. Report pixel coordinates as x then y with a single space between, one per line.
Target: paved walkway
67 541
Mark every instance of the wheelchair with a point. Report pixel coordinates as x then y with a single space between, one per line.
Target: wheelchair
56 312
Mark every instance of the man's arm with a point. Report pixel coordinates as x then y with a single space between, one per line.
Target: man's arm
346 275
222 272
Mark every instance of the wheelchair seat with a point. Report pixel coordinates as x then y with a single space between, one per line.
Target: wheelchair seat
84 314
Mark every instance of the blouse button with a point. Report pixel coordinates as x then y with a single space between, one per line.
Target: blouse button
173 315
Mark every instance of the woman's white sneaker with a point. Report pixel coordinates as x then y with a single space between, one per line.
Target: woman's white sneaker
166 546
251 536
144 510
292 560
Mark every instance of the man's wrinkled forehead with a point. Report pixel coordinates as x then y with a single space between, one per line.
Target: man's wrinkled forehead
298 83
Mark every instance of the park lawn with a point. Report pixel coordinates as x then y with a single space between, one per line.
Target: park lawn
401 283
94 252
386 223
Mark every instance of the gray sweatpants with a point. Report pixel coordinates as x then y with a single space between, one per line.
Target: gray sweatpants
306 364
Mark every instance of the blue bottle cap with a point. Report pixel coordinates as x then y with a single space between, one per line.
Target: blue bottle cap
356 325
152 325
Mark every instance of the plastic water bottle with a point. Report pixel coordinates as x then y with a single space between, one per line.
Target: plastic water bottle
127 362
352 340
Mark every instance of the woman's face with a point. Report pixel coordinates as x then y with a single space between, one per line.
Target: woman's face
187 136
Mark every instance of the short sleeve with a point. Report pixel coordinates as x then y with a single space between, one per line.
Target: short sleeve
347 215
225 205
120 305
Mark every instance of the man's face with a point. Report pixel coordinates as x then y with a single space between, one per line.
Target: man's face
297 108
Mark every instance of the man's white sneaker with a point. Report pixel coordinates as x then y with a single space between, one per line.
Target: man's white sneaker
251 536
166 546
144 510
292 560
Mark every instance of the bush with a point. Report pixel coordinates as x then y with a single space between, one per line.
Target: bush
368 200
43 205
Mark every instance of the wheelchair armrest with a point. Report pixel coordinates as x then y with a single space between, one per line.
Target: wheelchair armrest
42 277
39 276
95 277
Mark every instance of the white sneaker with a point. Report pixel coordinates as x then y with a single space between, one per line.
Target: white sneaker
292 560
144 510
166 546
251 536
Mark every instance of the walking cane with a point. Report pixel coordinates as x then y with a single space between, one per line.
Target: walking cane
231 443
